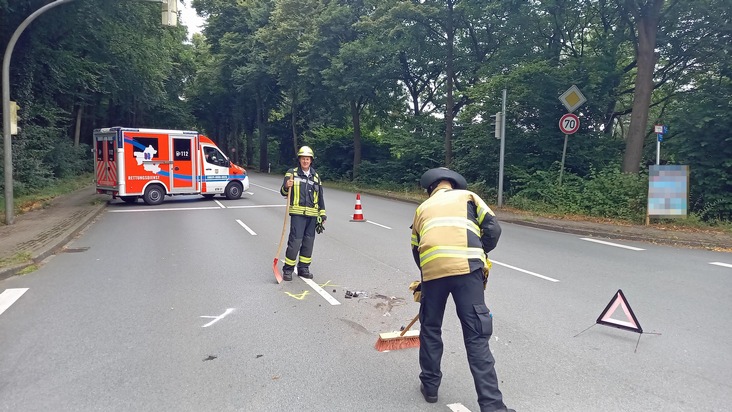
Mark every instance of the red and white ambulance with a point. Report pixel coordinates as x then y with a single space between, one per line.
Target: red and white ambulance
152 163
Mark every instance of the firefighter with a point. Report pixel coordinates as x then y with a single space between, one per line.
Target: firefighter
307 214
453 230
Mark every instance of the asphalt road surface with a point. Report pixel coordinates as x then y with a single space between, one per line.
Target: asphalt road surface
175 308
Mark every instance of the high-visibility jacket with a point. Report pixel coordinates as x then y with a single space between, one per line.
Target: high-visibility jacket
307 196
452 232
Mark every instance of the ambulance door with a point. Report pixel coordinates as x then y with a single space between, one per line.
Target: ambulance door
215 170
184 168
106 160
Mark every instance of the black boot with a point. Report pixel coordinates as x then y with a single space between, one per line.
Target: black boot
429 397
287 273
304 272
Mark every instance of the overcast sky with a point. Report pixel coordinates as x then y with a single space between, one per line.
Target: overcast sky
189 17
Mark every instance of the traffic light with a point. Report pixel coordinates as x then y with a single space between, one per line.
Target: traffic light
497 122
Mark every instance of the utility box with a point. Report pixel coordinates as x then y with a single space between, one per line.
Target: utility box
170 13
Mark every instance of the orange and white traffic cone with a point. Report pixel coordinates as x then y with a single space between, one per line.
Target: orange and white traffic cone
358 213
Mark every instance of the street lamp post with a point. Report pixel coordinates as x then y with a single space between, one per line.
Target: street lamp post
7 142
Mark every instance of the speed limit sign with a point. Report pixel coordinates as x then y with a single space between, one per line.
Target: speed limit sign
569 123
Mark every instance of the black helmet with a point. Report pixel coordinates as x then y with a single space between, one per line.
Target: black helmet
432 176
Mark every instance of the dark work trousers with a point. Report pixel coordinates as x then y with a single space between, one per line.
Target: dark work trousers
301 240
467 293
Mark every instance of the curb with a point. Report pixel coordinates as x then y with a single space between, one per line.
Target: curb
54 247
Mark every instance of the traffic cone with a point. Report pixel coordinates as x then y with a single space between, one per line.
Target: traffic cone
358 213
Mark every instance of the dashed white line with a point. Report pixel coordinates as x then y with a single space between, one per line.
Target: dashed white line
220 204
251 232
253 206
458 407
321 292
9 296
266 188
526 271
727 265
377 224
611 244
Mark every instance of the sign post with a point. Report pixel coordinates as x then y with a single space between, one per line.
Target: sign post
660 131
568 124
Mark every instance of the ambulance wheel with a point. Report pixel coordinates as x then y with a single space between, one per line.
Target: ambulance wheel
233 191
154 195
208 196
129 199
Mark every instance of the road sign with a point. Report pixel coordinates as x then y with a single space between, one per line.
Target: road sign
572 98
569 123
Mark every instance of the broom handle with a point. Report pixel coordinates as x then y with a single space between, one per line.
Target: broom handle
410 325
284 224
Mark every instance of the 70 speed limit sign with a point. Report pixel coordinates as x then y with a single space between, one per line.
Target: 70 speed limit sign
569 123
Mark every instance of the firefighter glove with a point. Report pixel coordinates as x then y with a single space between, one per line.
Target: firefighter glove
319 227
416 288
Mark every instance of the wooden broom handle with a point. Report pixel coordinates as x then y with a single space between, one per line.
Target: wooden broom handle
410 325
284 224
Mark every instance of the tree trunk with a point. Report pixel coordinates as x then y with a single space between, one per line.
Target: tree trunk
77 129
647 26
450 72
356 119
262 128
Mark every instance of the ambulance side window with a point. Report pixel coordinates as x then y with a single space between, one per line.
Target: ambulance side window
214 156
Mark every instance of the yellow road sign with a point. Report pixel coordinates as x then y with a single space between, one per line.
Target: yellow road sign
572 98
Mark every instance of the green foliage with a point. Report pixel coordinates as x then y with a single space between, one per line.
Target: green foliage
605 194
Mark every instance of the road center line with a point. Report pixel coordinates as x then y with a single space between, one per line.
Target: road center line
220 204
377 224
727 265
610 244
9 296
169 209
266 188
458 407
526 271
251 232
321 292
253 206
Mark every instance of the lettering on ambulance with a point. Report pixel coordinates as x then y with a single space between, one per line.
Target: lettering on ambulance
182 163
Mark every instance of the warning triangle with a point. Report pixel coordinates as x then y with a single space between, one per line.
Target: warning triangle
619 301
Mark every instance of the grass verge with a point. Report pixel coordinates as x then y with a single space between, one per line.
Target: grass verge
41 198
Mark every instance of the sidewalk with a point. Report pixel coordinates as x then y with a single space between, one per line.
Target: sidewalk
40 233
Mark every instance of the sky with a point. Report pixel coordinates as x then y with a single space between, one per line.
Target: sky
189 18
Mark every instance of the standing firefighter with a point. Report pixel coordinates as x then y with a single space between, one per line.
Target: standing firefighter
452 232
307 214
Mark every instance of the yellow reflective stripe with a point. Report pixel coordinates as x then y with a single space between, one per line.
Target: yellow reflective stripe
304 259
451 252
414 240
304 210
290 262
296 193
459 222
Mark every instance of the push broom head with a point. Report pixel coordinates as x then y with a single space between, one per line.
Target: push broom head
397 340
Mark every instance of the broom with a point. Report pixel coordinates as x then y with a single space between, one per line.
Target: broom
275 268
399 340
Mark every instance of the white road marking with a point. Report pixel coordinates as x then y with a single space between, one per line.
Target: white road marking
727 265
251 232
216 318
220 204
250 193
163 209
610 244
9 296
526 271
321 292
377 224
266 188
253 206
458 407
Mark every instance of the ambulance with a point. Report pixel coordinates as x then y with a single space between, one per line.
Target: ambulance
153 163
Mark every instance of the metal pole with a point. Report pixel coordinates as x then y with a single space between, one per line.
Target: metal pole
503 150
7 142
564 153
658 149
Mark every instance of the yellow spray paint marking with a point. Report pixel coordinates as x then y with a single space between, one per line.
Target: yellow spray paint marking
300 296
327 284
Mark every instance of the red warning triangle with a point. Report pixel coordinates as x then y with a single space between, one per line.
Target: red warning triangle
619 301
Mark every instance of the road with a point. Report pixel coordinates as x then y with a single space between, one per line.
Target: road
175 308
